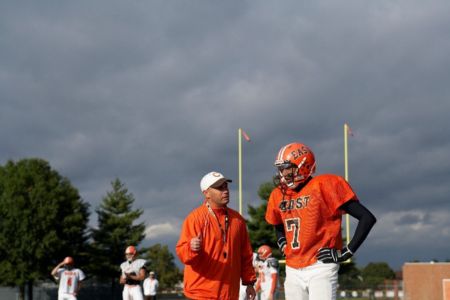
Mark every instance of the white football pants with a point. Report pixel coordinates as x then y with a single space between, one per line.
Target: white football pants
316 282
132 292
65 296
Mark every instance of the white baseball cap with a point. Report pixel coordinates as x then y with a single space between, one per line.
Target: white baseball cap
212 179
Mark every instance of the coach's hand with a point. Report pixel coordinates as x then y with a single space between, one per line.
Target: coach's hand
250 292
331 255
196 243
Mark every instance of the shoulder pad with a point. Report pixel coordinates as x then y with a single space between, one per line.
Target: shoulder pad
272 262
123 265
141 263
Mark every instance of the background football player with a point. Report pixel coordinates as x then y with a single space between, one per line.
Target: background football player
69 279
267 273
133 272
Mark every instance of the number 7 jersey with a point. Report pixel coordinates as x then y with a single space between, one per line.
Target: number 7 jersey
311 217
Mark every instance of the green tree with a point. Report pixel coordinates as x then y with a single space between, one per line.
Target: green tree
161 261
42 220
261 232
116 230
349 276
374 274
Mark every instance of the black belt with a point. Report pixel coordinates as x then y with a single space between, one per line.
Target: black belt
132 282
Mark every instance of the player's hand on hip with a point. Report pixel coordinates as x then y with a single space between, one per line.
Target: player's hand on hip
196 243
331 255
282 245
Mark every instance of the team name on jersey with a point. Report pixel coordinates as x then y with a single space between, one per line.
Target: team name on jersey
299 203
69 273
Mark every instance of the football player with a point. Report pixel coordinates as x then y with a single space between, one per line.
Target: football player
307 212
69 279
133 272
267 273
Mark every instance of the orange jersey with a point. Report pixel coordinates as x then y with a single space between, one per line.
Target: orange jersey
311 217
215 271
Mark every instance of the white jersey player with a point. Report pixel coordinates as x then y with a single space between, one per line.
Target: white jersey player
150 286
69 279
267 273
133 272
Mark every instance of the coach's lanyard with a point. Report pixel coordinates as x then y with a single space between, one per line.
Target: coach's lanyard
222 230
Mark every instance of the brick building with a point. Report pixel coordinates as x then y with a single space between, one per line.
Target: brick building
426 281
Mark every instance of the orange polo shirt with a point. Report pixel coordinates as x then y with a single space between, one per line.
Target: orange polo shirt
215 271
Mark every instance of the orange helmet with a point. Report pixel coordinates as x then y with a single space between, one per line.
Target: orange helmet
298 157
130 250
68 260
264 252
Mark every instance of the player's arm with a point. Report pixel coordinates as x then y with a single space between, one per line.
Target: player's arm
366 220
122 278
81 277
54 272
257 284
281 237
78 287
141 275
273 286
274 218
136 277
273 264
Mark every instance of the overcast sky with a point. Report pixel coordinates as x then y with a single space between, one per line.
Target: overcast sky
153 93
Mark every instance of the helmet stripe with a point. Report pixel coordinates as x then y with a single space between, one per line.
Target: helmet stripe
281 153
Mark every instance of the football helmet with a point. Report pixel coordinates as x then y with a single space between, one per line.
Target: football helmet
130 253
130 250
299 159
264 252
68 260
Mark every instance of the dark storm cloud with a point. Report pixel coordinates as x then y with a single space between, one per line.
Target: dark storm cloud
153 93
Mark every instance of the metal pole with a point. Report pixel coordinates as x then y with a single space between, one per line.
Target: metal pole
240 168
347 218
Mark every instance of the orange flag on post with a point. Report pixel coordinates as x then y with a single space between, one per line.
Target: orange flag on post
349 130
245 135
